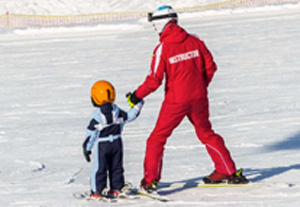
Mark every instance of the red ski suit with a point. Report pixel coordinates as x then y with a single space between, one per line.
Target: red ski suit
188 68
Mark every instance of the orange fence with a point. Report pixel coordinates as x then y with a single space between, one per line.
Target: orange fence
10 20
234 4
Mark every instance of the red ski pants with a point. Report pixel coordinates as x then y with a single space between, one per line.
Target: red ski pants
169 118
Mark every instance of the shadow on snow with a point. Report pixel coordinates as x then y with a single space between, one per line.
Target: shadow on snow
256 175
290 143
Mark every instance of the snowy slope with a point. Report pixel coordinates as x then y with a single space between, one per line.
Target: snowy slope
46 75
89 6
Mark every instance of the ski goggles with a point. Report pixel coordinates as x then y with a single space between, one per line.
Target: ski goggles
152 18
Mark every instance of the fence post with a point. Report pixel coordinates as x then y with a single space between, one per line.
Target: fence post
7 19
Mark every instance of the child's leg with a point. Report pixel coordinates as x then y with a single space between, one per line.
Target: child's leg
115 165
99 172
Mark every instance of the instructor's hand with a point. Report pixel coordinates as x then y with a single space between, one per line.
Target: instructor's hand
132 99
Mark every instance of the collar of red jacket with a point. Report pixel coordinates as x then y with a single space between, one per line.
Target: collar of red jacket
173 33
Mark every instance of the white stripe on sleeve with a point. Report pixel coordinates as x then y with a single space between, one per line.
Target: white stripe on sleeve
157 58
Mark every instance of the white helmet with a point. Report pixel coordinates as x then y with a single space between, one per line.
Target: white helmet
161 16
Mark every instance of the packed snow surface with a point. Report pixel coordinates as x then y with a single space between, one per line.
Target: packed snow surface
90 6
46 75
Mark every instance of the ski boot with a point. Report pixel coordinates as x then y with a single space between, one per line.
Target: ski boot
216 177
113 194
104 196
95 196
124 193
127 189
148 188
238 178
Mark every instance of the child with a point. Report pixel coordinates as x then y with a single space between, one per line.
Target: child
104 130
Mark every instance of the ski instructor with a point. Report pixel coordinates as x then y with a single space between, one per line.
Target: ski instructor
188 67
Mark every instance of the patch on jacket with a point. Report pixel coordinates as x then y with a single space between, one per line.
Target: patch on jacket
184 56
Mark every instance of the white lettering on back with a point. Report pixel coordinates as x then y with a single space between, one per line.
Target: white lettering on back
184 56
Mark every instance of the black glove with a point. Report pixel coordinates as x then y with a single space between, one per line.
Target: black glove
132 99
87 155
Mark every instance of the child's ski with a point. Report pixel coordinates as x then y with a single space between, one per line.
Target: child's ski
86 196
128 197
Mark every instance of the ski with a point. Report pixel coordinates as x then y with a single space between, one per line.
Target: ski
122 196
222 185
154 196
128 197
86 196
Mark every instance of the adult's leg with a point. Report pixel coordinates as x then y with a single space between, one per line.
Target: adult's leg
214 143
169 118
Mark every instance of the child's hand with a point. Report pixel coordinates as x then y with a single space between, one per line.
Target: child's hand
87 155
132 99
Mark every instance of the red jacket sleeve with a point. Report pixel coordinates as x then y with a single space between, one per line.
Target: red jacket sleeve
210 66
155 76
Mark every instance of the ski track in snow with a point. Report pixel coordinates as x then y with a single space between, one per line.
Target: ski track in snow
46 75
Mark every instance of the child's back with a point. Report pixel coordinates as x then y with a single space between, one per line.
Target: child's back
104 132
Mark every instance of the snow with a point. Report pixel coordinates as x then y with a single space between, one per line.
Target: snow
46 75
90 6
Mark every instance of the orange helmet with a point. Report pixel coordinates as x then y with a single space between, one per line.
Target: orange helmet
103 92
